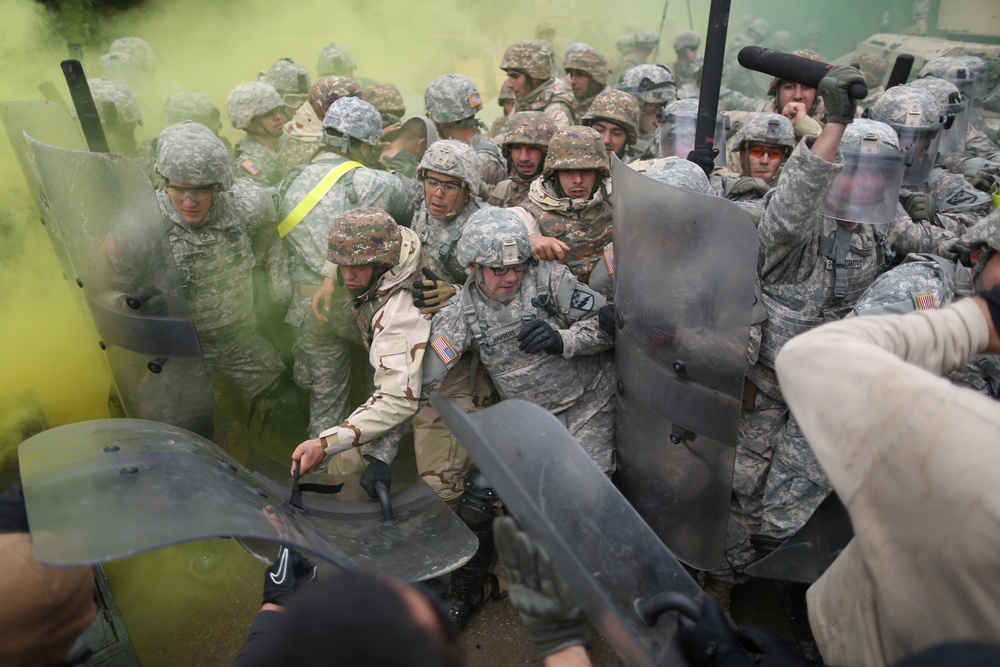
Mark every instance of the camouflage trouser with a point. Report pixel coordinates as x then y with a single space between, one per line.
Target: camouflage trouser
753 460
323 359
245 359
597 436
796 484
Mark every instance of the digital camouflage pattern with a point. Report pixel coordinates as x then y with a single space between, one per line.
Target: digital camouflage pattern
494 237
120 66
250 100
137 48
452 98
115 102
451 158
355 118
288 77
257 163
649 83
363 236
948 68
618 107
766 128
591 62
873 67
907 105
386 98
686 39
191 153
192 105
681 174
328 89
577 148
554 98
335 59
573 48
526 128
583 225
531 58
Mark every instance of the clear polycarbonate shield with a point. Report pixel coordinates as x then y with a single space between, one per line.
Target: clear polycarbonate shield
104 208
684 289
101 490
867 189
424 539
677 136
954 135
602 548
51 124
920 144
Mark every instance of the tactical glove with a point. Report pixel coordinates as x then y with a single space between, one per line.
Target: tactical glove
977 167
840 107
748 185
538 336
773 650
430 296
919 205
711 641
287 573
546 607
704 158
377 471
606 320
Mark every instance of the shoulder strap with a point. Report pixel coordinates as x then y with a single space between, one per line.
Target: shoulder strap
309 202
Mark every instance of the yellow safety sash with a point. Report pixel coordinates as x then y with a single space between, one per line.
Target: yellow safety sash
311 199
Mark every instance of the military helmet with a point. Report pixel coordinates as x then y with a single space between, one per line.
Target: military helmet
192 105
288 77
355 118
119 66
531 58
115 102
451 98
945 91
386 98
191 153
330 88
577 147
985 232
760 28
618 107
625 44
651 84
363 236
873 147
591 63
766 128
686 39
907 105
772 89
493 237
528 128
573 48
646 40
335 59
947 68
873 67
867 128
250 100
137 48
681 174
506 94
780 40
452 158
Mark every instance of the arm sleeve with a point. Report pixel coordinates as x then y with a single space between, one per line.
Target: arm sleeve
907 236
256 652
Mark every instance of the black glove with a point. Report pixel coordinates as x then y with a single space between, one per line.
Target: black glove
840 107
287 573
773 650
377 471
919 205
13 514
149 300
544 603
606 320
538 335
711 641
704 158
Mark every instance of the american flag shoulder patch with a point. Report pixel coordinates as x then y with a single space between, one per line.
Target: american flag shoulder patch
609 260
924 301
443 349
250 166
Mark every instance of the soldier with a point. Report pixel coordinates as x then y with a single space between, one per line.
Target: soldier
643 44
452 103
304 132
799 103
734 75
653 86
336 60
615 115
120 115
525 145
568 211
687 67
873 67
335 181
192 105
509 312
388 100
291 80
762 146
506 101
588 74
529 75
257 109
676 137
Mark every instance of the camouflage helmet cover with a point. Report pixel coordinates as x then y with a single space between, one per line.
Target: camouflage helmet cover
385 97
191 153
646 40
115 102
288 77
250 100
493 237
335 59
573 48
760 28
452 158
136 47
506 94
355 118
330 88
577 147
867 128
528 128
985 232
907 105
625 44
531 58
873 67
686 39
650 83
772 89
766 128
590 62
681 174
120 66
192 105
364 236
451 98
945 91
618 107
948 68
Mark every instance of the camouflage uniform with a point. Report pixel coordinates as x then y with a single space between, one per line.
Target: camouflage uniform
290 79
689 73
253 159
620 108
742 188
595 66
337 60
119 115
812 123
873 68
192 105
388 100
526 128
304 132
505 95
734 75
584 225
322 349
454 99
659 89
550 95
577 385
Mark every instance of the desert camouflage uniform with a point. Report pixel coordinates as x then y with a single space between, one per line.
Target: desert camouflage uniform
552 96
595 66
528 128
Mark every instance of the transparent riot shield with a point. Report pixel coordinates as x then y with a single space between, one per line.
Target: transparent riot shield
604 551
684 289
104 208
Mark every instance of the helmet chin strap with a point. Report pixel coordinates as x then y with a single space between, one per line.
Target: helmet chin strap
481 283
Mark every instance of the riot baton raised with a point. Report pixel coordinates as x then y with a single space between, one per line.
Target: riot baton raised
900 70
86 110
793 68
711 74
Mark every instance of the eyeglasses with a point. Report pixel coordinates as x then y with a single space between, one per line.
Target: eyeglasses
760 150
507 269
198 193
447 187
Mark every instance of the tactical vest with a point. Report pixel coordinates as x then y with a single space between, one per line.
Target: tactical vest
546 95
366 306
848 263
438 240
509 193
586 235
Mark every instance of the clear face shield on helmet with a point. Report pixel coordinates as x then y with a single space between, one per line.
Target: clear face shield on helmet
919 143
956 125
867 189
677 136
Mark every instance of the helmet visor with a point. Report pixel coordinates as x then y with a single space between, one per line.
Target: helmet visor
867 189
954 134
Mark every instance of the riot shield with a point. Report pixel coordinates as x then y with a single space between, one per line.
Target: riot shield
607 555
684 289
104 207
